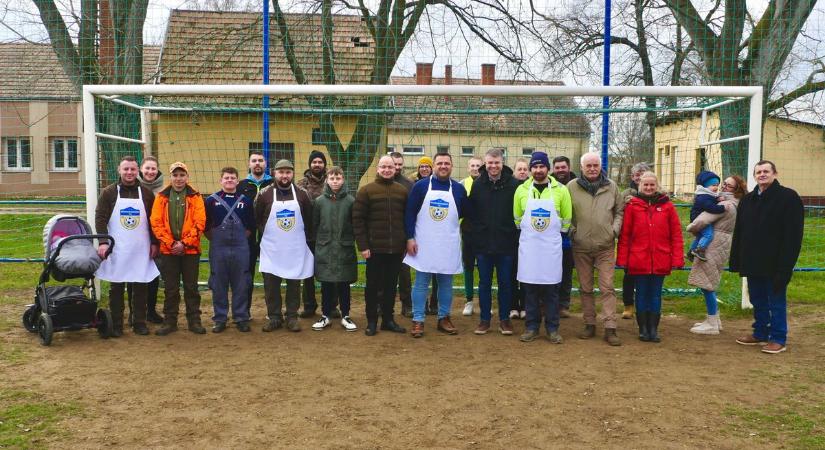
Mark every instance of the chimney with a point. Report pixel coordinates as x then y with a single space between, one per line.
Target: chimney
448 74
424 73
107 41
488 74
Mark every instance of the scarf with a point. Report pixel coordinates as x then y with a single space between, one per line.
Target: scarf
593 187
154 186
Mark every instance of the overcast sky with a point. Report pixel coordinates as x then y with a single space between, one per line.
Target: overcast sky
21 15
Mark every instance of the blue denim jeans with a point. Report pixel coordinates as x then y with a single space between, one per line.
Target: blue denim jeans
538 296
770 310
503 265
419 294
649 293
704 238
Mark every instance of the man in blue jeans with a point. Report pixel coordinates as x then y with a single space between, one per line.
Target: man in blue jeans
494 237
434 206
767 239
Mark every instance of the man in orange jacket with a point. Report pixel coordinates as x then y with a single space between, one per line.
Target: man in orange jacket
178 220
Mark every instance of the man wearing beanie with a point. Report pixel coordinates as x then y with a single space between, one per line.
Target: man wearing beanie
705 200
598 208
542 210
313 184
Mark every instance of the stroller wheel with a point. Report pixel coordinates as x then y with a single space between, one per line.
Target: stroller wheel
104 323
45 329
30 319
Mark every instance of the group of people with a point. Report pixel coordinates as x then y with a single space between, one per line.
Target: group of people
529 226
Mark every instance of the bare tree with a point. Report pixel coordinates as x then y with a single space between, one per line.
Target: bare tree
391 24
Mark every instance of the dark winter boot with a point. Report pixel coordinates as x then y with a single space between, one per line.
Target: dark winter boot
641 320
653 326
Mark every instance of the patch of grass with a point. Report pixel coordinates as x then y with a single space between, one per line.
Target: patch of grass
11 354
795 419
19 276
26 419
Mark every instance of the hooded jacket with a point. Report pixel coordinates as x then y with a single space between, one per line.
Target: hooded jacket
650 242
489 209
194 221
335 259
312 184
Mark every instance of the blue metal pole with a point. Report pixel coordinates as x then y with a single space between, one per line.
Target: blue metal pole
606 100
265 124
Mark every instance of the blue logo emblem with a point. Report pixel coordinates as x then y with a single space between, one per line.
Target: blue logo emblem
540 219
285 219
130 218
439 209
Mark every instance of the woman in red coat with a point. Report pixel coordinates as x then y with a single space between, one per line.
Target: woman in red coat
650 245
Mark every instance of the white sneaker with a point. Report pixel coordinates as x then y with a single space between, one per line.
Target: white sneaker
468 309
522 314
322 323
707 327
513 314
348 324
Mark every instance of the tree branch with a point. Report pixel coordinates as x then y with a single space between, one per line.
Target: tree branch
61 42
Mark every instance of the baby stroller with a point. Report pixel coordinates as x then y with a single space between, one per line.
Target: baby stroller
70 252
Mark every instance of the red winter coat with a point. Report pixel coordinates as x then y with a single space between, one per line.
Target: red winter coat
651 239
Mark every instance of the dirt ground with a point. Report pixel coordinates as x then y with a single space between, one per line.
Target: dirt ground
334 389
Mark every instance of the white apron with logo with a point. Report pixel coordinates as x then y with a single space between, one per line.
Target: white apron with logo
284 249
129 261
539 247
437 234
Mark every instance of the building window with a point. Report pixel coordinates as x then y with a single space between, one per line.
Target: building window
413 150
390 149
441 149
64 154
468 151
17 153
527 151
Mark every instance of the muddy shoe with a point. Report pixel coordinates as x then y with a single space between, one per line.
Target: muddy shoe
529 336
445 325
197 328
483 327
140 329
272 325
166 329
611 338
219 327
293 325
588 332
417 329
554 337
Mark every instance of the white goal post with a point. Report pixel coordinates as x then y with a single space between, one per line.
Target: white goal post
753 94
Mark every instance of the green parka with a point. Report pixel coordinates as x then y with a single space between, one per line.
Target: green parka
335 258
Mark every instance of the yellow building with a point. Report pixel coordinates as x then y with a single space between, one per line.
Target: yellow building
797 148
221 48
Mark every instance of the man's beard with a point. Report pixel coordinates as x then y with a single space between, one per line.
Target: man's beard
258 170
284 185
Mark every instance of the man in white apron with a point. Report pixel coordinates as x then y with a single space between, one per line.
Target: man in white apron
123 211
283 215
542 209
434 207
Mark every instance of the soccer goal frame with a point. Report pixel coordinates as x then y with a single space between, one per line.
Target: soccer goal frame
753 94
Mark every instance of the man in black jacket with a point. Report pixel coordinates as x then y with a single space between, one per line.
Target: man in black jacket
494 237
563 174
251 186
767 239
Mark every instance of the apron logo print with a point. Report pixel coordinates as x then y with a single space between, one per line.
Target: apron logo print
129 218
540 219
285 219
439 209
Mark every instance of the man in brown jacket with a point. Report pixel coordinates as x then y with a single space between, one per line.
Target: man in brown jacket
283 214
598 208
116 215
313 184
378 225
404 276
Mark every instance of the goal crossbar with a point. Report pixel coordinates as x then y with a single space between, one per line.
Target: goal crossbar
753 94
